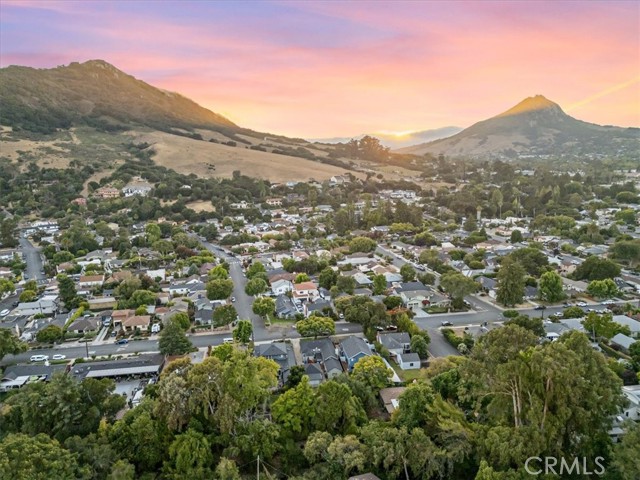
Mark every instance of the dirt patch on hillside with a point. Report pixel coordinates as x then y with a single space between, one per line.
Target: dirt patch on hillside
201 206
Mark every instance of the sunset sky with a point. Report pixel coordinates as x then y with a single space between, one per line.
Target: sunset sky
320 69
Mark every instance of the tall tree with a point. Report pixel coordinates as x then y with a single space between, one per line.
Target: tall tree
316 326
255 286
511 282
550 287
373 372
408 273
173 340
243 331
10 344
219 289
458 286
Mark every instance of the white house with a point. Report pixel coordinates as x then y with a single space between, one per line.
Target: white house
409 361
281 287
89 281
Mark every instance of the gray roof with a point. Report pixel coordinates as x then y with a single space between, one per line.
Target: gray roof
322 349
284 305
14 371
623 340
394 340
113 368
332 364
279 352
270 349
409 357
352 346
412 287
313 371
85 323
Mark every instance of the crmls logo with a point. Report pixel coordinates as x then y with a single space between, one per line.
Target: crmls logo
562 466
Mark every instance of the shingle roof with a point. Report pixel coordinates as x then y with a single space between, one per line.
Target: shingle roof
352 346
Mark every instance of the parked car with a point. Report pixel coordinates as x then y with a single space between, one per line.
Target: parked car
59 356
582 304
122 341
233 299
540 307
4 312
446 323
608 302
38 358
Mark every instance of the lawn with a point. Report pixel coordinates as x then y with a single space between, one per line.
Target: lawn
409 376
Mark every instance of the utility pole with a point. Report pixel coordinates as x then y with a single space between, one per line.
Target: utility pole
258 468
86 346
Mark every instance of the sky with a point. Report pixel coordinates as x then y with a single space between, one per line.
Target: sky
331 68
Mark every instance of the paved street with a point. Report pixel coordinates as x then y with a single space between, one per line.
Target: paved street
33 260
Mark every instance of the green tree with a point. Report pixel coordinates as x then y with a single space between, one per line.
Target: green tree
606 288
295 376
316 326
24 457
373 372
67 289
573 312
362 244
122 470
10 344
224 315
219 289
596 268
626 251
516 236
6 286
140 298
420 345
152 232
255 286
534 325
327 278
49 334
226 470
243 331
295 409
626 461
264 306
511 282
346 284
379 284
533 260
301 277
255 269
550 287
191 456
337 409
458 286
173 340
181 319
8 229
408 273
218 273
603 326
28 296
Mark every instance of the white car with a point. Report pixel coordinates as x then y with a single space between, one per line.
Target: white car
59 356
39 358
582 304
608 302
4 312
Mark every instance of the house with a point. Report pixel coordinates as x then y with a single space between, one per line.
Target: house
554 330
17 376
391 398
285 307
632 392
574 286
148 365
90 281
397 343
106 193
322 351
409 361
362 280
353 349
623 341
634 325
305 291
85 325
137 187
281 286
314 372
318 306
119 316
141 322
47 305
102 303
279 352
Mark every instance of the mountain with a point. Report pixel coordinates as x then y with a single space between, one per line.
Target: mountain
395 141
534 127
98 94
